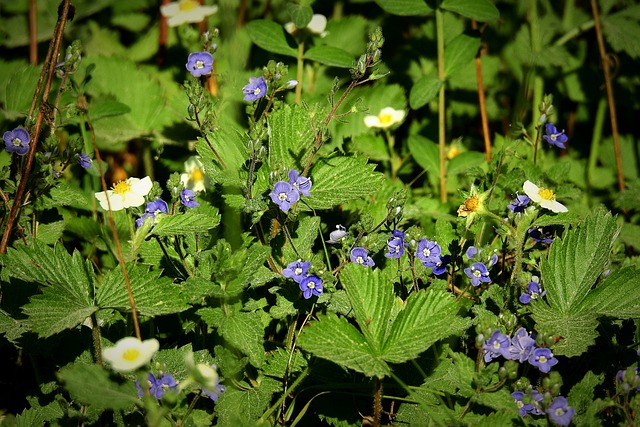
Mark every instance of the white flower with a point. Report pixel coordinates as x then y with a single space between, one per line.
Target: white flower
184 11
317 25
194 178
543 196
130 353
387 117
125 194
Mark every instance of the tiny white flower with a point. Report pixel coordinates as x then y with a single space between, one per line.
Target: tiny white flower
337 235
317 25
184 11
543 196
130 353
125 194
194 178
387 117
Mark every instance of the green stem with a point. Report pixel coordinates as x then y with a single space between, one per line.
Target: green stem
596 138
441 106
276 405
300 72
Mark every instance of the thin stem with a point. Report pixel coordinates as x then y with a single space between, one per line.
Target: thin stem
441 106
538 82
300 71
33 32
377 403
481 101
610 98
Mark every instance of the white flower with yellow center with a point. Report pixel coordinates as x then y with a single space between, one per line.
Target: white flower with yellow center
125 194
387 117
130 353
184 11
194 178
543 196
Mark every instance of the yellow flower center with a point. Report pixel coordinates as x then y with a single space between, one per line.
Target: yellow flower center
298 271
311 285
131 354
453 152
187 5
122 188
197 175
547 194
385 118
542 359
256 91
199 64
17 142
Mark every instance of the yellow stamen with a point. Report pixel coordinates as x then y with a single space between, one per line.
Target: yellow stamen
122 187
187 5
547 194
197 175
131 354
385 118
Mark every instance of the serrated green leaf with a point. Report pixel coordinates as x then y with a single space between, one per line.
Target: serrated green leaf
91 385
330 55
335 339
65 194
480 10
423 91
622 33
270 36
291 138
242 408
302 240
57 309
607 299
404 7
582 398
190 221
50 233
459 53
339 179
11 328
18 96
242 330
153 295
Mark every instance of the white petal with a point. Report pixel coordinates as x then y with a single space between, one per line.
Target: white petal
372 121
140 186
532 190
553 206
114 199
116 355
131 199
317 24
169 10
290 27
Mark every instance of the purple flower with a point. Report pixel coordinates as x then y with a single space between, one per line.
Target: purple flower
297 270
311 285
428 252
17 141
542 358
361 256
300 183
542 234
519 203
493 260
560 411
441 266
218 388
284 195
396 245
497 345
158 386
521 346
554 137
84 160
528 404
255 89
188 198
629 379
200 63
471 252
152 208
534 291
477 273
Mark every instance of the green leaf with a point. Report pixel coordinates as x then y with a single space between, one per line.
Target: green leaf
270 36
153 295
65 194
91 385
330 55
582 398
464 162
180 224
480 10
404 7
568 274
425 153
11 328
242 330
301 14
19 92
242 408
291 138
339 179
423 91
459 52
334 338
107 108
622 33
302 240
50 233
607 300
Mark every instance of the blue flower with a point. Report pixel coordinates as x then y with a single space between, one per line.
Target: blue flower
629 379
534 291
497 345
428 252
396 245
200 63
560 411
311 285
153 208
84 160
530 405
542 234
472 251
300 183
519 203
361 256
255 89
284 195
17 141
521 346
477 273
554 137
158 386
542 358
441 266
218 388
297 270
188 198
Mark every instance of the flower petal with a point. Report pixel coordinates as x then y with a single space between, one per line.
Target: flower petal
532 190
